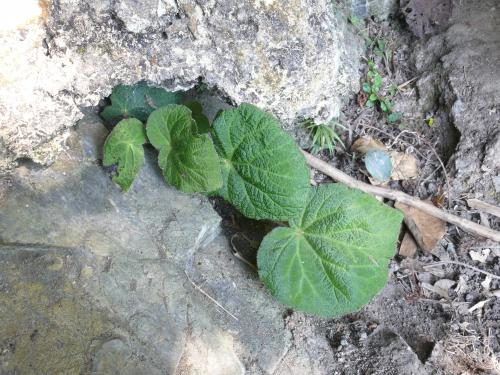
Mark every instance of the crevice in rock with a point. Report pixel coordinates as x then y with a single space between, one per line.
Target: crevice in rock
28 163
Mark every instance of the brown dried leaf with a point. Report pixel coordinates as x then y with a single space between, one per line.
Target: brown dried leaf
362 97
408 246
365 144
404 166
426 229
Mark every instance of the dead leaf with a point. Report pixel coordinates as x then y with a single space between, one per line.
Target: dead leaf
404 166
487 282
440 287
439 199
375 182
408 246
365 144
362 97
462 285
478 305
426 229
443 286
480 256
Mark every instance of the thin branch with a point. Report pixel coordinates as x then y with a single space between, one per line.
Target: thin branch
210 297
493 276
483 206
399 196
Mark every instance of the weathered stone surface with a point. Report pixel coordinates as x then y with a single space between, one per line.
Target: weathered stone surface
379 8
295 60
96 281
458 73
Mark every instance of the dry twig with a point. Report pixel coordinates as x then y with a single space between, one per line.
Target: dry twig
493 276
483 206
399 196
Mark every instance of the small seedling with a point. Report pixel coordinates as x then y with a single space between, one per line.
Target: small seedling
372 89
323 136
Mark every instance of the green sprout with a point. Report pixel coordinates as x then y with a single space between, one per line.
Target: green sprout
372 89
323 136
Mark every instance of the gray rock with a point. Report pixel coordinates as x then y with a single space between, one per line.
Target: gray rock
93 280
379 8
458 70
295 61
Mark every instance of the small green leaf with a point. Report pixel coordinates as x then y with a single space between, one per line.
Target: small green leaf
124 147
381 44
373 97
334 257
383 106
188 161
379 164
265 175
137 101
367 88
202 123
370 103
377 80
393 117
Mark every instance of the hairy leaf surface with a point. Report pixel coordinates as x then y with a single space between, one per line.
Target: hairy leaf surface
124 146
137 101
265 175
333 259
188 161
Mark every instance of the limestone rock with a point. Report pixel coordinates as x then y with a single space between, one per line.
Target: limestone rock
295 61
93 280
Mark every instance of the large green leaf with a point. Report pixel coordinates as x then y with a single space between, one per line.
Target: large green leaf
265 175
188 161
124 147
333 259
137 101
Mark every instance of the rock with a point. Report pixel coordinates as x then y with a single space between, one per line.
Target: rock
462 65
295 61
426 17
381 9
426 230
408 247
93 280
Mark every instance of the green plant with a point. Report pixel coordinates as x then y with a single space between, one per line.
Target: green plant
323 136
330 260
137 101
372 88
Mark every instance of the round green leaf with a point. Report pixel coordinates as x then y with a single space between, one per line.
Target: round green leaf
188 161
137 101
265 175
124 147
333 259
